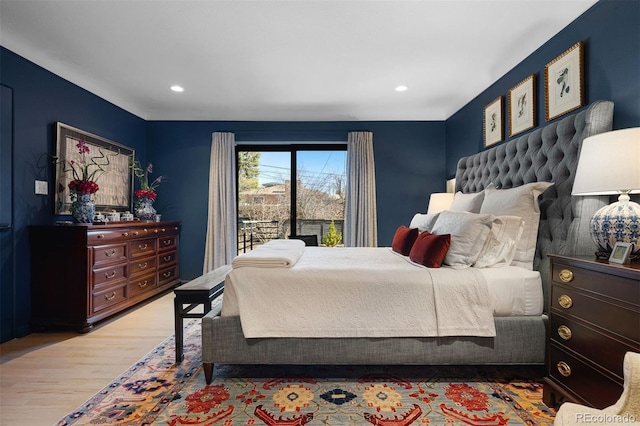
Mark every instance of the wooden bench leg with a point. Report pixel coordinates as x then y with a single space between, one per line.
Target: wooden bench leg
177 315
208 371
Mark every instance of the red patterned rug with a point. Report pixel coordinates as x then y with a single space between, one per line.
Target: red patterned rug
156 391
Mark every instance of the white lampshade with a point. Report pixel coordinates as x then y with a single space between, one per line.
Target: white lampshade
439 201
610 164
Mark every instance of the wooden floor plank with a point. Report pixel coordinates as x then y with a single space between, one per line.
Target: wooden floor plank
45 376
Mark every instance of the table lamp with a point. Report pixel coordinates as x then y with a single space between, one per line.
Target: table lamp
439 201
609 164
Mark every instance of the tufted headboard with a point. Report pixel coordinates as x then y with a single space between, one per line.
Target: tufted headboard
548 154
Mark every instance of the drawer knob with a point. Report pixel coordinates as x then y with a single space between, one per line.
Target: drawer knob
111 275
566 276
110 253
166 258
143 284
100 236
142 246
142 265
166 242
564 332
565 301
136 233
110 297
166 274
564 369
125 234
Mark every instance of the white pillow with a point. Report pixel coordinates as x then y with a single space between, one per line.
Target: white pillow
468 234
424 222
500 246
467 202
521 201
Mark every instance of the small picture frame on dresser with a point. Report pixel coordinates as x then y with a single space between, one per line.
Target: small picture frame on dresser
621 253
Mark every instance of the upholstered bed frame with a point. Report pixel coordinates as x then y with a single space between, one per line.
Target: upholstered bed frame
547 154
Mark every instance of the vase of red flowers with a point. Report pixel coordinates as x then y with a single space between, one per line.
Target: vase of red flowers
85 171
144 204
146 195
83 209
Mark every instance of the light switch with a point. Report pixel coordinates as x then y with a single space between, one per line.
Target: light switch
42 187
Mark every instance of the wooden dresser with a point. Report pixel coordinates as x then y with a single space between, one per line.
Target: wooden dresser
81 274
594 319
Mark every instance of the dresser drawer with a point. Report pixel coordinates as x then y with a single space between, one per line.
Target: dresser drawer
138 233
613 286
105 236
142 284
162 230
113 253
168 258
594 387
141 248
602 349
109 276
166 243
166 275
614 318
109 297
142 266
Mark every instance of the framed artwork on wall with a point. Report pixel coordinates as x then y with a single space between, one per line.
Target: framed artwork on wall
522 106
564 82
115 182
493 128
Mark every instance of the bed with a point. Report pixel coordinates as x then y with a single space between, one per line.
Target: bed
548 154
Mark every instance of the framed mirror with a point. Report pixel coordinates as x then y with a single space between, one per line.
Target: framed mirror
115 182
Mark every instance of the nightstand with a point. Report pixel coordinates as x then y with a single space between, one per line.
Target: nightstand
594 319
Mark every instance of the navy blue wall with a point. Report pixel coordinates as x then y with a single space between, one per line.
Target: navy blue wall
411 161
409 166
610 31
41 98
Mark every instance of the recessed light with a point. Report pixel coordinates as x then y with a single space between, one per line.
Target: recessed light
177 88
401 88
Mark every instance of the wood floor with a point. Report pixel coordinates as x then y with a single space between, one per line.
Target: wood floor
45 376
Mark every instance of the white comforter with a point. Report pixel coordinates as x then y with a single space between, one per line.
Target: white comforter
358 292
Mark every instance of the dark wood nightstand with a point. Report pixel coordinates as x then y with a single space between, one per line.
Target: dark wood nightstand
594 319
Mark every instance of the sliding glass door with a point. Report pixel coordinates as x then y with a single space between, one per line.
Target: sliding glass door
289 191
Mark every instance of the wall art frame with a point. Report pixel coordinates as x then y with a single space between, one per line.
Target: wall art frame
564 82
492 122
522 106
116 182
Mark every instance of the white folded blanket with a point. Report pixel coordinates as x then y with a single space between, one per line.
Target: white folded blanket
273 254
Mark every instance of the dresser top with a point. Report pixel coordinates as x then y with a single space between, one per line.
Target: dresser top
594 263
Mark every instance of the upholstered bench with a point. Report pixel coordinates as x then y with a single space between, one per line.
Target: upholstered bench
201 291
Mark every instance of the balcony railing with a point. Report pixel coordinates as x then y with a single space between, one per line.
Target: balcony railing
252 233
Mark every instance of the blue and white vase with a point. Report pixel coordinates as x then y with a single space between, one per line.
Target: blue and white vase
83 209
145 210
617 222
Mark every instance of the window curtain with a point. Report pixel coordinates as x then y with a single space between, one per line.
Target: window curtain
361 222
222 240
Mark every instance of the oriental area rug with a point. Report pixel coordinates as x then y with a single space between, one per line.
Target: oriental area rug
157 391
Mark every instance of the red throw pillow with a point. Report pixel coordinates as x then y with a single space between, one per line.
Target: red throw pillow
430 249
403 240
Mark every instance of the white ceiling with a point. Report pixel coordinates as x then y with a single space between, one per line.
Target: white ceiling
283 60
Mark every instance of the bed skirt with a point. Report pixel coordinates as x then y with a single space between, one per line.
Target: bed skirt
519 340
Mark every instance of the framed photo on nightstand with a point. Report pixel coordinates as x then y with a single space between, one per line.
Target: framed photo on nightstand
620 253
